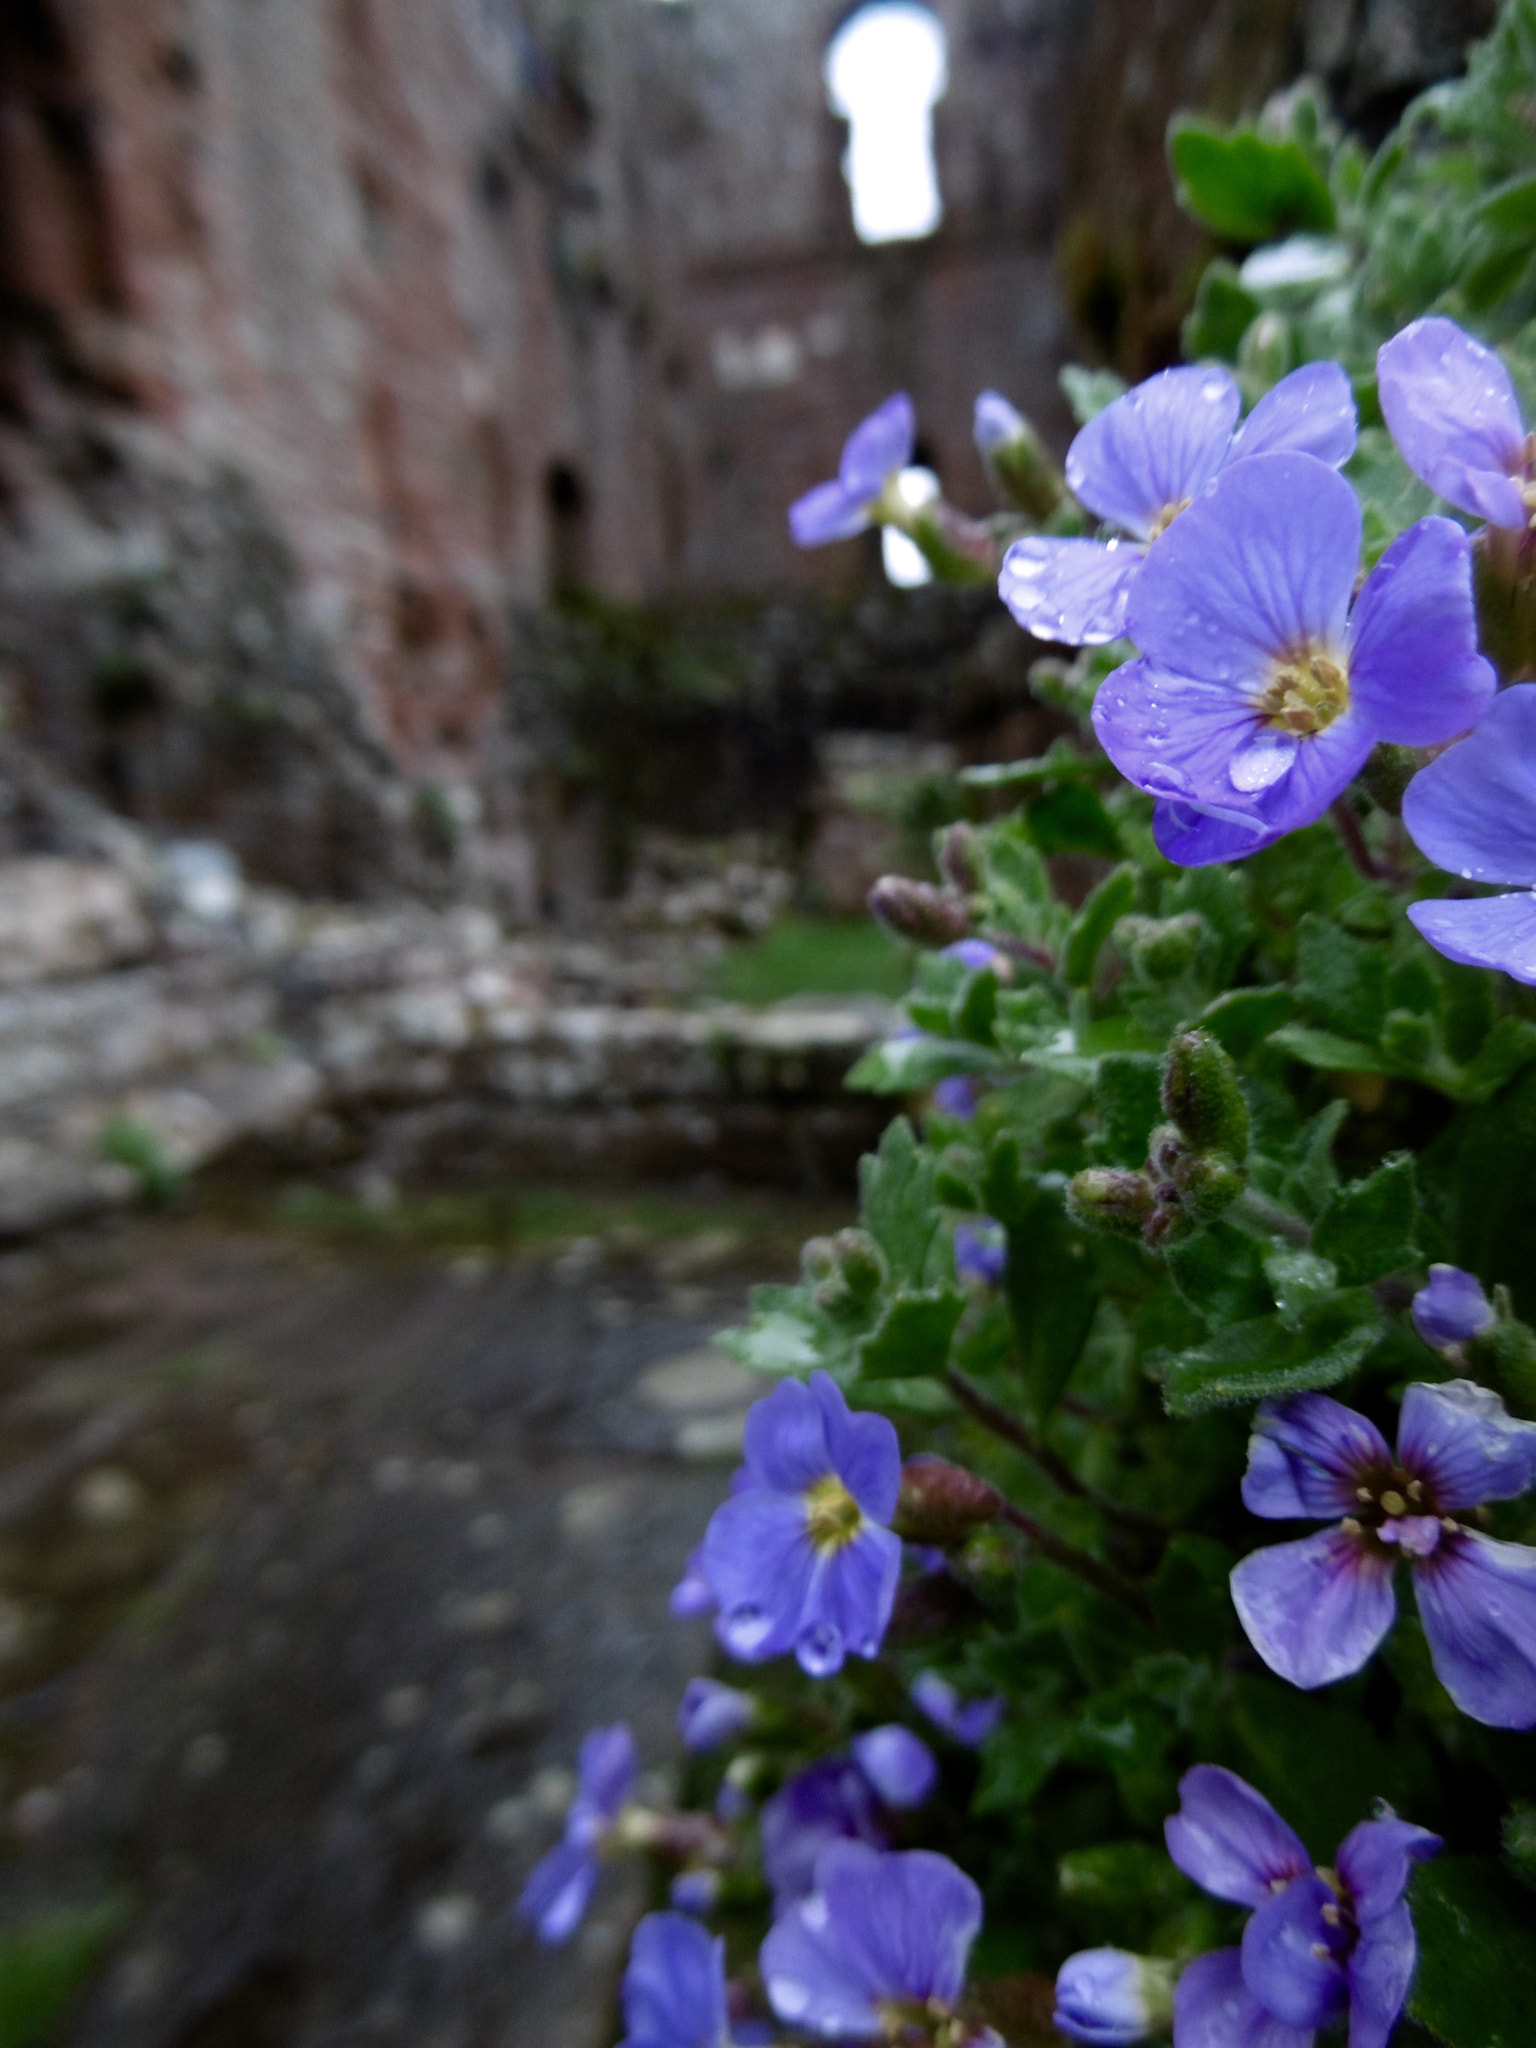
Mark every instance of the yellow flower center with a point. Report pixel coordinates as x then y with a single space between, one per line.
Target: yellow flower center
1164 519
1307 691
832 1515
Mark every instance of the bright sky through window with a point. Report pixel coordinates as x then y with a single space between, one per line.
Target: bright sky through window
885 70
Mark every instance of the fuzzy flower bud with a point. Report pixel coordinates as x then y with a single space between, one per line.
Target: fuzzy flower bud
1203 1096
1111 1999
1110 1198
918 911
959 861
940 1502
1208 1185
1016 459
1161 948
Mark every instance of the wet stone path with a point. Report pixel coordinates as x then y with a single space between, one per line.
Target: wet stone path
313 1571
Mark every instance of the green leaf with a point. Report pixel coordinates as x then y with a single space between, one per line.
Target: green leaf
1245 1017
1072 819
1256 1360
1367 1229
787 1334
898 1066
1310 1176
896 1202
44 1961
1051 1287
1300 1281
913 1335
1221 1272
1191 1600
1223 312
1476 1983
1247 189
1509 1047
1101 911
1089 391
1510 209
1121 1877
1126 1093
904 1397
1328 1052
1340 979
1322 1763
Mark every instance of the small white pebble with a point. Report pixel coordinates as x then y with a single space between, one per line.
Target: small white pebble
35 1812
393 1475
403 1706
553 1788
108 1497
445 1924
509 1820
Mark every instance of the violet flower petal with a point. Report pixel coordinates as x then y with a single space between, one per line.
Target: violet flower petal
828 512
1461 1440
878 447
785 1441
1315 1610
906 1922
1192 837
605 1769
1293 1959
558 1889
809 1981
968 1722
1414 667
1452 1308
847 1607
1310 412
1213 2008
1230 1840
1473 812
1490 931
1375 1861
1071 591
1100 1998
674 1987
760 1562
1263 562
712 1714
900 1765
1305 1457
692 1597
1477 1600
830 1800
1155 446
1452 411
864 1449
1171 734
1380 1971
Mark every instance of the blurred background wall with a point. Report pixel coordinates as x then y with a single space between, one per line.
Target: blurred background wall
336 336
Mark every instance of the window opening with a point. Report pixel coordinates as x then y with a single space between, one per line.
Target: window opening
885 70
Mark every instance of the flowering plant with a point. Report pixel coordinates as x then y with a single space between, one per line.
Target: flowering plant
1211 1207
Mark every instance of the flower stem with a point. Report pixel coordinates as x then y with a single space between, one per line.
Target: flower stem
987 1412
1354 840
1268 1216
1071 1559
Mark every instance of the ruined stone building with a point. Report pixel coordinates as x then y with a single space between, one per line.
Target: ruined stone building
332 331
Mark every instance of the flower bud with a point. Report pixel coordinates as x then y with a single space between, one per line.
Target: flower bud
1112 1999
940 1502
1504 1354
1016 458
959 858
818 1261
1208 1185
1203 1096
712 1714
1110 1198
1452 1308
918 911
859 1262
1265 352
1161 948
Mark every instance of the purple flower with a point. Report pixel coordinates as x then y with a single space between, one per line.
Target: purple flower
830 1801
695 1891
997 421
560 1883
1455 418
877 451
1317 1609
968 1722
878 1931
1111 1999
1452 1309
692 1597
802 1558
975 954
956 1096
1258 692
1140 463
712 1714
900 1765
674 1987
1316 1944
981 1251
1473 812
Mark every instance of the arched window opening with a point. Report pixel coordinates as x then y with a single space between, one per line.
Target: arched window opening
565 498
885 70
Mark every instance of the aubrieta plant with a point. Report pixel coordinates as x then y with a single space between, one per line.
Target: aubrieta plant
1126 1606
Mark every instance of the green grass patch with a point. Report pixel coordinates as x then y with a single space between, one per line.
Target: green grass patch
803 956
